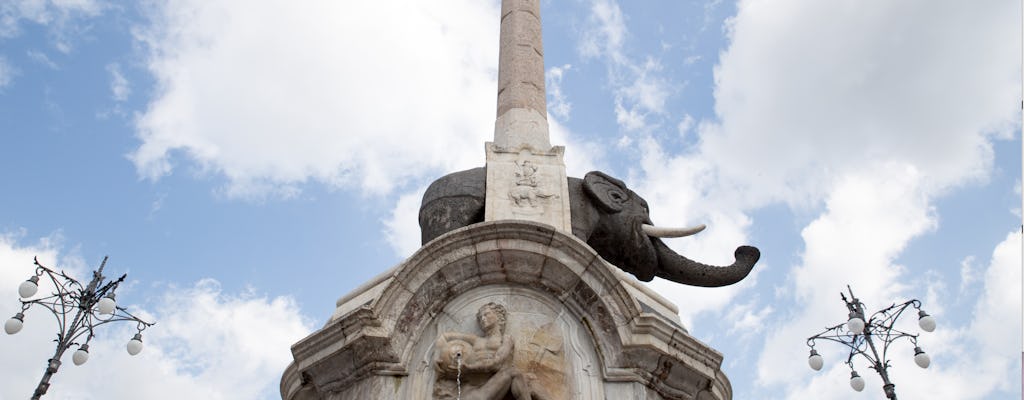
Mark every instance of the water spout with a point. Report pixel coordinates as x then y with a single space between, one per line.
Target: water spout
458 375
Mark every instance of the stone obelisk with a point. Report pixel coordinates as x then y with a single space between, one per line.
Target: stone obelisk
526 177
522 108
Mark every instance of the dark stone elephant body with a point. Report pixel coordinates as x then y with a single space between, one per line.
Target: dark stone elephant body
605 214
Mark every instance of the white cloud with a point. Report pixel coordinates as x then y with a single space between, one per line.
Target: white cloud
558 104
402 228
805 93
750 318
581 156
997 315
977 360
869 220
685 126
694 301
6 72
206 343
673 187
968 273
61 17
639 88
648 91
119 86
42 59
856 242
629 119
330 105
368 94
606 31
26 352
812 109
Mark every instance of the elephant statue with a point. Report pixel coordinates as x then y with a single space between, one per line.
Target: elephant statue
605 214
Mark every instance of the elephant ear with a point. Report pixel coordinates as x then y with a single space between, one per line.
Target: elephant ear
609 194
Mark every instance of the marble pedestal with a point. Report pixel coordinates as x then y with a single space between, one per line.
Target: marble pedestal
581 328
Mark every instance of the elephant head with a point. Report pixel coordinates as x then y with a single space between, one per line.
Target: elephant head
616 223
612 219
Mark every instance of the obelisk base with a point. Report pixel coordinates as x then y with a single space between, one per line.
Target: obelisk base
524 184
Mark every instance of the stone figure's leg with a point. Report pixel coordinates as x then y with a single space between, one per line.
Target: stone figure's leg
524 386
521 388
494 389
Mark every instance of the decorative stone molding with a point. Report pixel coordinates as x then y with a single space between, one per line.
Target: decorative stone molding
619 340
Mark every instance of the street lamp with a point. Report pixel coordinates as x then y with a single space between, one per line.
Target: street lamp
859 336
88 307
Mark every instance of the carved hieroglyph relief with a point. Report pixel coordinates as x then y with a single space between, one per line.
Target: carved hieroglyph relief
527 186
526 193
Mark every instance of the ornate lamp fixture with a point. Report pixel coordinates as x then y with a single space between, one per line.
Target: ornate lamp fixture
79 310
859 335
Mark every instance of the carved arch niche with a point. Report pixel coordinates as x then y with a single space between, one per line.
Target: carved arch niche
582 328
555 291
551 345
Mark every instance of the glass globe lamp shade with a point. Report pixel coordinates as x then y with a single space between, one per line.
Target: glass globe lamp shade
855 324
29 288
856 382
921 358
81 356
106 305
135 345
815 360
14 324
925 321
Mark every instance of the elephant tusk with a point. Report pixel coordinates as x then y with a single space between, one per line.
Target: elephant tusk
659 232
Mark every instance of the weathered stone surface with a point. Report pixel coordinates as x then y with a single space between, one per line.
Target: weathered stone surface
546 339
451 202
521 58
521 129
522 363
580 329
525 175
521 122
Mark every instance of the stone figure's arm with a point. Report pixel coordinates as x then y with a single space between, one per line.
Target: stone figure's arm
443 359
468 337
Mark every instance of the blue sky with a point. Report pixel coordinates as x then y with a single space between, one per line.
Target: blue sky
247 163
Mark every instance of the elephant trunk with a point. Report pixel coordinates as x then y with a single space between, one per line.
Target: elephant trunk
677 268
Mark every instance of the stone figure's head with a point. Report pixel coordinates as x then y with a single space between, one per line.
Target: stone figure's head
492 314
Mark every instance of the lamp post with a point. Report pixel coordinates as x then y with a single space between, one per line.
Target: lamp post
79 310
861 335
